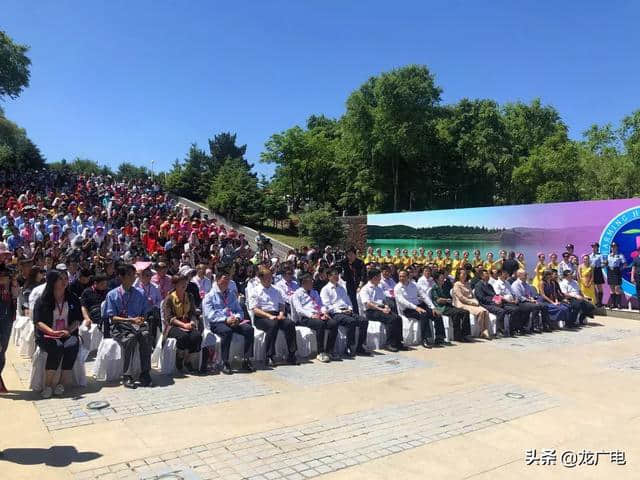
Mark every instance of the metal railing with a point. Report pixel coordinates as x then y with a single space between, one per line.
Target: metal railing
279 249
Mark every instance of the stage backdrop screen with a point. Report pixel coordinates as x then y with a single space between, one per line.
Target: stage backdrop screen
528 229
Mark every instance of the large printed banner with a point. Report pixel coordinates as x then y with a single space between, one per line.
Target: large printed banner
529 229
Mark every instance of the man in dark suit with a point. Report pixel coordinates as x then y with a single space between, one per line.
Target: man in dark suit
353 275
485 294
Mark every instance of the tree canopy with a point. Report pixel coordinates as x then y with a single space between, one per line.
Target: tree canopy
14 67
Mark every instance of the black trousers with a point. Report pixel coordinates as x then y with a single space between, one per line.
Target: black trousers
392 321
501 311
129 338
225 332
186 340
5 333
353 296
271 327
582 306
425 322
65 350
542 311
527 309
461 321
352 321
321 327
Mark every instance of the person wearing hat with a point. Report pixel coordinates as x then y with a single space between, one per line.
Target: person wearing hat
596 260
126 308
615 262
8 296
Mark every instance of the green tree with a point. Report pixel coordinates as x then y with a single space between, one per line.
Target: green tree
389 130
17 151
321 226
235 193
82 166
223 147
14 67
129 171
551 173
630 136
476 150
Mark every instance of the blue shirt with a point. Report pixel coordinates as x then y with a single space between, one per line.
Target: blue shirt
218 306
616 260
129 304
595 259
13 242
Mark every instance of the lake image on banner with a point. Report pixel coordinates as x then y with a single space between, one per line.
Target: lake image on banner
528 229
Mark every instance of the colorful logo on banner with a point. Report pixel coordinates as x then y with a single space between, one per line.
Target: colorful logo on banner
624 230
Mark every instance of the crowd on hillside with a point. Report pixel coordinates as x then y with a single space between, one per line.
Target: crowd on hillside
81 251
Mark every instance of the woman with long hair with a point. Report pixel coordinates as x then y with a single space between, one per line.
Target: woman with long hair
57 315
463 298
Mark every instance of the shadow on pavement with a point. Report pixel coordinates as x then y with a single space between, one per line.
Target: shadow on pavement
56 456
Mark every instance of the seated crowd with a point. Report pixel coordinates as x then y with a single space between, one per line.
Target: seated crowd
78 251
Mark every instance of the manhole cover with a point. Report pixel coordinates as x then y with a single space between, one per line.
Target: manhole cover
169 476
514 395
517 345
393 362
97 405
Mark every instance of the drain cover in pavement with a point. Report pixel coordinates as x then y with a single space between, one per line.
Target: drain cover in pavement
97 405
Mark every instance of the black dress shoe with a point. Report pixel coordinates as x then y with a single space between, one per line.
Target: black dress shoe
292 360
403 347
247 366
128 382
270 362
349 353
426 343
391 348
145 380
226 369
363 352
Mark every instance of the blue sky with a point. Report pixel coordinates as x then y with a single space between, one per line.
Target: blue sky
135 81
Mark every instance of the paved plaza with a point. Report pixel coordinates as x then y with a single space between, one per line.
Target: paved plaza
503 409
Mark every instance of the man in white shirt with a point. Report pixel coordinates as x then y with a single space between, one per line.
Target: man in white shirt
519 313
287 287
203 283
376 310
411 305
338 304
311 313
425 284
571 290
387 283
268 307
